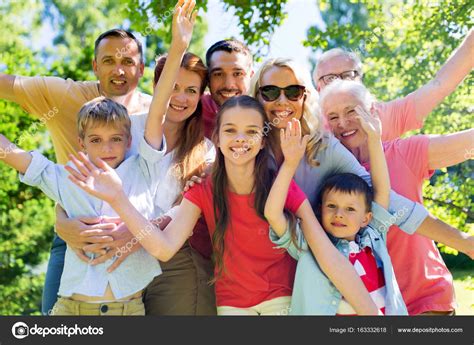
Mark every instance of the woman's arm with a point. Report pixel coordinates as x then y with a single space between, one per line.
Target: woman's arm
338 268
450 149
293 148
182 29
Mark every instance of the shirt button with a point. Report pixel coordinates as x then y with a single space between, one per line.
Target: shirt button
333 302
104 308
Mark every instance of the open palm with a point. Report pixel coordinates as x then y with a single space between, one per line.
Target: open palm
100 181
184 18
292 144
369 121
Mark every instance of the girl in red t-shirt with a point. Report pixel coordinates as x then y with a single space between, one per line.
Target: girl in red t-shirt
252 277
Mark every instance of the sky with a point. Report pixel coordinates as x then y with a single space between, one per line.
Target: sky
286 41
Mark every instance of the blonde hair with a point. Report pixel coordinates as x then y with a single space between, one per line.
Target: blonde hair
352 87
102 111
311 120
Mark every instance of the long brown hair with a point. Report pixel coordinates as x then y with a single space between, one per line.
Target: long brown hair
262 183
191 148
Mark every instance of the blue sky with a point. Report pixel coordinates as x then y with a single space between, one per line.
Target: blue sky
286 41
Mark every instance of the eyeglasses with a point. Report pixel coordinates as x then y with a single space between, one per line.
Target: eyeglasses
271 93
346 75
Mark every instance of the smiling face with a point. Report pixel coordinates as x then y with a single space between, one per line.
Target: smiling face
344 214
109 143
117 66
339 111
240 135
229 75
282 110
185 96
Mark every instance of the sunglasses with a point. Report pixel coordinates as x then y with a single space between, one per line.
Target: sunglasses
271 93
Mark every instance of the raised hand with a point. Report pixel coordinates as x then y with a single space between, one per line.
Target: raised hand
292 145
184 18
100 181
369 121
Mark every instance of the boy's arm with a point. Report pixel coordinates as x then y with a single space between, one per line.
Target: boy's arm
182 29
293 147
379 171
450 149
338 269
6 87
15 157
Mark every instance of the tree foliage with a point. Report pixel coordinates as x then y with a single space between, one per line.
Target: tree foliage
402 45
257 20
26 215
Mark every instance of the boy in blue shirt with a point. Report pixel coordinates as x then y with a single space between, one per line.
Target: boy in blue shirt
355 218
104 135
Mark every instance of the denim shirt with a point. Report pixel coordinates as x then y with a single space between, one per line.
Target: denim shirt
314 293
139 174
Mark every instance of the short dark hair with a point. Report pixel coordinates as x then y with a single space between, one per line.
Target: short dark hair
346 183
119 33
230 45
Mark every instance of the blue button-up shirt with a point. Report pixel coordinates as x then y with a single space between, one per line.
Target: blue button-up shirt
139 174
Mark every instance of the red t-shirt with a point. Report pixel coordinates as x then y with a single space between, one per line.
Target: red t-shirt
425 281
209 111
254 270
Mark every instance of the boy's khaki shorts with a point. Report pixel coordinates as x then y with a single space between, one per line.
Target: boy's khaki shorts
69 307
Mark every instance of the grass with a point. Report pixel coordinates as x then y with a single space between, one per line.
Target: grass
464 287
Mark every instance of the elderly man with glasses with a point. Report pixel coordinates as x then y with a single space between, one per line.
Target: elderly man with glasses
407 113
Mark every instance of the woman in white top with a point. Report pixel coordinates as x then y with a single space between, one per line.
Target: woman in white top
183 287
179 81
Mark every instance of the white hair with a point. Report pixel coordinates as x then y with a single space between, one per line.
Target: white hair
355 88
332 53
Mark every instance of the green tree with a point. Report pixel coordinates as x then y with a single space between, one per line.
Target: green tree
257 19
26 215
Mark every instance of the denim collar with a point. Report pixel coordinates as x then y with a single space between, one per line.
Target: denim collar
361 238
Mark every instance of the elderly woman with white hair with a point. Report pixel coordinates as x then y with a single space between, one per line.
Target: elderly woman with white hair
286 92
424 279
